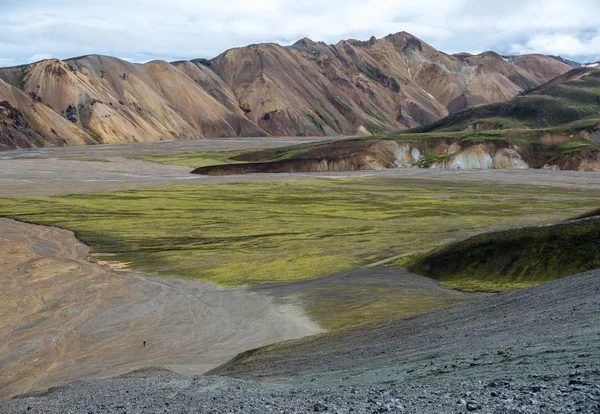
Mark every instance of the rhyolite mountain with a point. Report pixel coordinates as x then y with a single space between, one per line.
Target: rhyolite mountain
570 97
569 62
553 126
307 89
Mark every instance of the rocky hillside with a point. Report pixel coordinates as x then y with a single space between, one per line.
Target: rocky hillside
115 101
27 122
571 63
380 85
440 153
308 88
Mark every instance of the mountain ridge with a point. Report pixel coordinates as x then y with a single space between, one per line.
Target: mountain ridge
308 88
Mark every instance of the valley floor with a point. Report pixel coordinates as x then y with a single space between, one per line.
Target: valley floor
69 319
83 169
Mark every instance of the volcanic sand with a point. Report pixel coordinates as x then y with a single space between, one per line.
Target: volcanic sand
66 319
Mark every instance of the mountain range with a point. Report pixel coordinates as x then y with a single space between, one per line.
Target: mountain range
306 89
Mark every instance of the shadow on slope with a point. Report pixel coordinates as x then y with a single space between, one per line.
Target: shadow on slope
365 296
479 340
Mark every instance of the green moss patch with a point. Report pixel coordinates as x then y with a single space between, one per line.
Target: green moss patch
315 122
427 160
278 231
344 308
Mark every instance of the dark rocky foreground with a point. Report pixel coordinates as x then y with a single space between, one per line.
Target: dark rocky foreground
534 350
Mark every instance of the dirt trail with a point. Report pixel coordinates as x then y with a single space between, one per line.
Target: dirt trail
66 319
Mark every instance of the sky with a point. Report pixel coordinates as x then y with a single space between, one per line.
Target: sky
143 30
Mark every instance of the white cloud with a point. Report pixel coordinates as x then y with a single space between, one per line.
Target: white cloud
179 29
561 44
7 62
39 56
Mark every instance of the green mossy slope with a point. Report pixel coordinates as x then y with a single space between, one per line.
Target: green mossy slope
515 258
568 98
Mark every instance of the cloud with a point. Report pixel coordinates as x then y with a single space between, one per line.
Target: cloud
184 29
39 56
565 44
7 62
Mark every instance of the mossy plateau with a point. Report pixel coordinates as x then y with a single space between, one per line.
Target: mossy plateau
279 231
205 159
526 138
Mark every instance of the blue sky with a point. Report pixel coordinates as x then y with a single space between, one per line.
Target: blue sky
142 30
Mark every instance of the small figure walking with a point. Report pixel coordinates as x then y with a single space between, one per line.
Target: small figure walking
144 344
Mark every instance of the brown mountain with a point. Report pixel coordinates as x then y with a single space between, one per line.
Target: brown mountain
27 122
309 88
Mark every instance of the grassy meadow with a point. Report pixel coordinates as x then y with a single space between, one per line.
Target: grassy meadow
236 234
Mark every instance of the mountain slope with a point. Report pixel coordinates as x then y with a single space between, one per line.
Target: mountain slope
567 98
308 88
27 122
534 350
571 63
122 102
383 84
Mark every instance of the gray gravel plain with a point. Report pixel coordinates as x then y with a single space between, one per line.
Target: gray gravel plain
535 350
59 171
